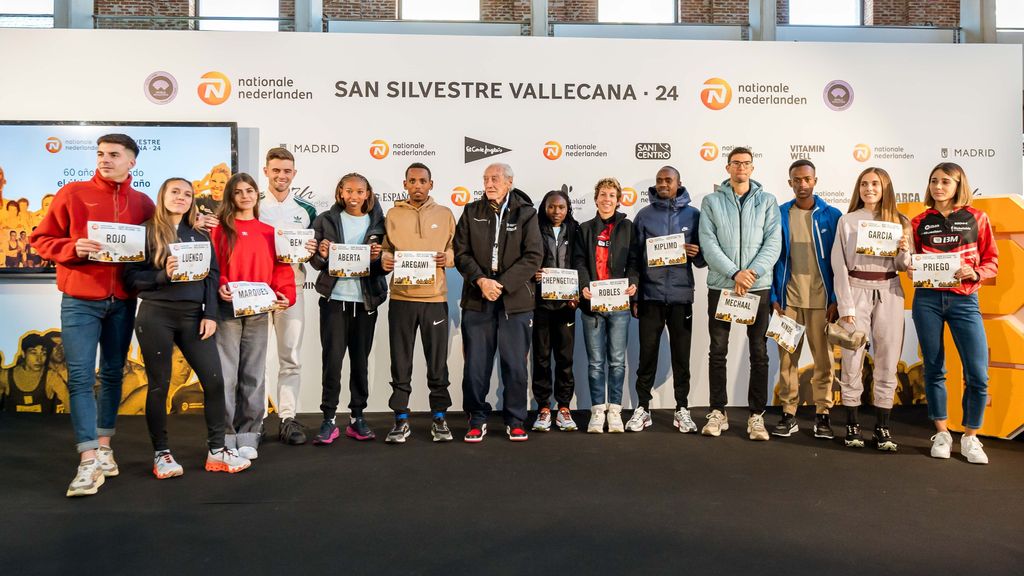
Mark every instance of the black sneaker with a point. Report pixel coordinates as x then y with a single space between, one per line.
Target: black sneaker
853 436
292 432
822 427
358 429
883 439
786 426
399 432
439 431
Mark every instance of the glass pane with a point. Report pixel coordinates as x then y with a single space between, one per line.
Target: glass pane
260 8
24 9
440 9
1009 14
825 12
649 11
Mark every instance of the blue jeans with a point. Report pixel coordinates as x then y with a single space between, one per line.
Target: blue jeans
606 336
85 324
933 309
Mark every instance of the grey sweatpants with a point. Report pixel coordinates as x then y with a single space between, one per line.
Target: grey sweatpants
242 343
879 314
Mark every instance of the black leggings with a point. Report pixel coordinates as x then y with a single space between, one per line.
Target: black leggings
158 326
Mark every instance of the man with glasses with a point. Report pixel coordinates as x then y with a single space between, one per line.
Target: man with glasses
739 235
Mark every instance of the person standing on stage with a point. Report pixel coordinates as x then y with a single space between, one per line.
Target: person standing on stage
802 290
418 223
97 309
739 234
498 249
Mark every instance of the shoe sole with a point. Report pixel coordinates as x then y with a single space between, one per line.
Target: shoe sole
854 443
647 424
351 433
886 446
536 428
291 442
824 435
223 467
764 438
518 439
788 433
441 437
675 424
398 439
706 432
172 474
595 430
73 493
474 439
568 428
322 442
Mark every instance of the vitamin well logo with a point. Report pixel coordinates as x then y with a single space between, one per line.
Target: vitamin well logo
716 93
862 152
708 151
552 150
629 196
54 145
460 196
214 88
379 149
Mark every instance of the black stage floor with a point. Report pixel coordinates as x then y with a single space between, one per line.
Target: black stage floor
563 503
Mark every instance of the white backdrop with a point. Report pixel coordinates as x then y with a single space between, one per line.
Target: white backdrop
911 107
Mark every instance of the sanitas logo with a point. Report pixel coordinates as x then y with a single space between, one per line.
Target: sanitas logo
708 151
552 150
653 151
629 196
379 149
460 196
478 149
54 145
716 93
862 152
214 88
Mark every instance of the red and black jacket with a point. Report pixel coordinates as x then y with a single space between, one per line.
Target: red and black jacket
967 231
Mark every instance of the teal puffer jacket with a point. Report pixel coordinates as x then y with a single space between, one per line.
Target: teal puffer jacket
735 236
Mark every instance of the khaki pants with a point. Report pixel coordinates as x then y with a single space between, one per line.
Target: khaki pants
813 322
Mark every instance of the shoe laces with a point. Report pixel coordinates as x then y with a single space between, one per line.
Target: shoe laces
716 416
757 422
883 432
946 439
853 429
166 457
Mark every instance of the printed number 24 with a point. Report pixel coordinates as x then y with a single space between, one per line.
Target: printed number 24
666 93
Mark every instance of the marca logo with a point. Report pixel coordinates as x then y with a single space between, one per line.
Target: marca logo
379 149
716 93
629 196
214 88
54 145
160 87
552 150
862 152
460 196
708 151
478 149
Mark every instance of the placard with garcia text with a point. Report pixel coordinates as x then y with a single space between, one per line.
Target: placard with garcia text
875 238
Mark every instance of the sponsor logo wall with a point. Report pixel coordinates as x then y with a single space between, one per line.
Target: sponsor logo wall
601 108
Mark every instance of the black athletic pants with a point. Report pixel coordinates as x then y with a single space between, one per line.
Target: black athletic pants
757 387
654 316
431 318
554 332
345 326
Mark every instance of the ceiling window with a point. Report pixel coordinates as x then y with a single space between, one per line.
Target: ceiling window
239 8
1009 14
646 11
26 14
439 10
825 12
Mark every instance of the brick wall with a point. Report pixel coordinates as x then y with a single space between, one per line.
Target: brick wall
144 8
361 9
912 12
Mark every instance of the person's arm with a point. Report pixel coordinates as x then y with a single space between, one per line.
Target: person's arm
581 259
465 263
283 281
988 252
317 261
771 242
52 238
902 259
139 276
449 249
637 258
531 256
694 238
210 284
841 273
715 257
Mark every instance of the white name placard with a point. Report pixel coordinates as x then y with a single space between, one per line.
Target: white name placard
118 242
414 268
251 298
290 245
193 261
936 270
666 250
735 308
878 238
559 284
609 295
349 260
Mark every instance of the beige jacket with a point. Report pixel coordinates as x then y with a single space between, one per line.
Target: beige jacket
430 227
845 259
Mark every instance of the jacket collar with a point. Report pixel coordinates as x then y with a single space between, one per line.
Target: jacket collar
110 185
726 187
680 201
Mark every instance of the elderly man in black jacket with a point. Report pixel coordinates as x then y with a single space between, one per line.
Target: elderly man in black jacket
497 250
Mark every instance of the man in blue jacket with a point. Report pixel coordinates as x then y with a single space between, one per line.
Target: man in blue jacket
802 289
739 234
665 296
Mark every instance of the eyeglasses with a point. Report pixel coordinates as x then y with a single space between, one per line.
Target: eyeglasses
739 164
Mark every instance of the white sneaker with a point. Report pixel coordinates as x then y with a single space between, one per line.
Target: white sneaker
165 467
942 445
87 480
615 419
105 456
756 429
640 419
717 424
970 448
226 460
681 420
596 425
248 452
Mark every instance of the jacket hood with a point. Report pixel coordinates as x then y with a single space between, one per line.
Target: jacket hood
680 201
406 205
518 198
726 187
110 185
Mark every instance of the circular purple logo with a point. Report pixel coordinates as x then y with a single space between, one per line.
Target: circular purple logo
160 87
838 95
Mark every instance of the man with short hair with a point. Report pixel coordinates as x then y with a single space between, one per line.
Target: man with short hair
498 250
739 234
802 290
97 310
419 224
665 296
280 208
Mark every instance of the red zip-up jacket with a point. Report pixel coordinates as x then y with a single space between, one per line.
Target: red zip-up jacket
254 258
966 231
74 205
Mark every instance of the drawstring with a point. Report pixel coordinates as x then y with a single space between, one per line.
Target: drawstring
876 297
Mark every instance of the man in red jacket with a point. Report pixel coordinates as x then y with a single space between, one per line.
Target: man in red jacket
96 309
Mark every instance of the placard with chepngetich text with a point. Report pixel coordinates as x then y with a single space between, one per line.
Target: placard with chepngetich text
666 250
193 261
118 242
609 295
876 238
559 284
735 308
349 260
414 268
785 331
251 298
936 270
290 245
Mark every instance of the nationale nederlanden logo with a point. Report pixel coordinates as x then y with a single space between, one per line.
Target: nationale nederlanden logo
160 87
379 149
54 145
716 93
461 195
629 196
214 88
862 152
708 151
552 150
